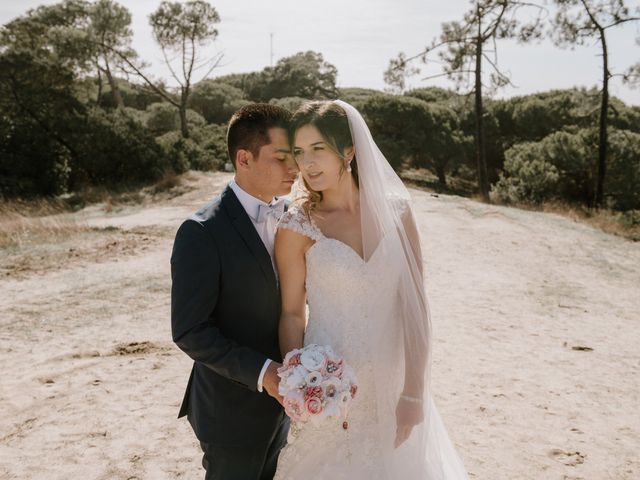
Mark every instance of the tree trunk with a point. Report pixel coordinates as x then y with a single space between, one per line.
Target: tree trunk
481 160
184 127
115 91
440 172
604 109
99 99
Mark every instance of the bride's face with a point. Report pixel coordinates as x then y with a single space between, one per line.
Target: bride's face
319 165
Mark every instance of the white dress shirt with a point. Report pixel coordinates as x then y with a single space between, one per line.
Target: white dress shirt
266 231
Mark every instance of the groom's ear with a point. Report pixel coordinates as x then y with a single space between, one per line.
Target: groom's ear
243 157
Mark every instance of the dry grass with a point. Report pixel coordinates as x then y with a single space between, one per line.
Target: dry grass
23 222
425 180
169 186
170 181
623 224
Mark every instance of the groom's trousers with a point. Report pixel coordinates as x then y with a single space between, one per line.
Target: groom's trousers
238 463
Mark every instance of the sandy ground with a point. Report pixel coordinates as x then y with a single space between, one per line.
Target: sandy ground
536 334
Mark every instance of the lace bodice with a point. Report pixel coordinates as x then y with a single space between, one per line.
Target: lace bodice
346 299
343 290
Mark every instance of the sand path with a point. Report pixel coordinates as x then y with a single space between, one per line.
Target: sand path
536 333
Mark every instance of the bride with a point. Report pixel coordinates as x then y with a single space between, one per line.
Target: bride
348 248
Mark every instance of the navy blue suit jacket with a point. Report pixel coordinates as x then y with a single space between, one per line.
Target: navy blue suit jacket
225 308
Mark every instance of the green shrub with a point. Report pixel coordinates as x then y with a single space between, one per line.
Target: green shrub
216 101
564 165
288 103
412 132
358 96
527 177
39 117
622 180
133 95
163 117
114 148
213 140
174 148
205 150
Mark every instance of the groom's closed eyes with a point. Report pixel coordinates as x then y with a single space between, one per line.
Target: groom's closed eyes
282 154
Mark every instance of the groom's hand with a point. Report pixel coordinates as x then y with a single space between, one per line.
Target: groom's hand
271 381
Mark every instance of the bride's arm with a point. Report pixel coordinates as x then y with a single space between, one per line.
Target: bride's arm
410 408
415 341
290 248
411 229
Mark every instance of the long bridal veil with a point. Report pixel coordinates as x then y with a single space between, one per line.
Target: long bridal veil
402 345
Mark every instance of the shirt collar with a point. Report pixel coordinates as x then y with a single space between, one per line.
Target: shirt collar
250 203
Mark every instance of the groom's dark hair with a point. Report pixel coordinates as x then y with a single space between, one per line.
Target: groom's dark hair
249 127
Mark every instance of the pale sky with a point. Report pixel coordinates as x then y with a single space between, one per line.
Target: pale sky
360 36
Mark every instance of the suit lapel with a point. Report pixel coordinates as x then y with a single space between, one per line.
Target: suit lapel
243 225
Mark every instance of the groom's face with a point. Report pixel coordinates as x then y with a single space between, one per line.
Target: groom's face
273 170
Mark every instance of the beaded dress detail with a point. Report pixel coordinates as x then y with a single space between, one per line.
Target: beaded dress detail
347 296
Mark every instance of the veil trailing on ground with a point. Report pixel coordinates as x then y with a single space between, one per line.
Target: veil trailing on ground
401 346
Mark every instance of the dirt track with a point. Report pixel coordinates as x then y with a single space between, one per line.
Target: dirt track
536 333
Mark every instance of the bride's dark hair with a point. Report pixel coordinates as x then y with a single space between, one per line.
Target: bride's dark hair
332 123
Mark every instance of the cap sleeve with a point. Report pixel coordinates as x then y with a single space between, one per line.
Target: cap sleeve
296 220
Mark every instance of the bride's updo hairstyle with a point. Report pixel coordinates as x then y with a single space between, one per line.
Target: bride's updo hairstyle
332 123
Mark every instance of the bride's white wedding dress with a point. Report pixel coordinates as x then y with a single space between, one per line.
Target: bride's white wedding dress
347 298
373 311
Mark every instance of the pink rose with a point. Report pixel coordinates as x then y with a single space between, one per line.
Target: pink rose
292 358
295 360
294 407
312 392
313 405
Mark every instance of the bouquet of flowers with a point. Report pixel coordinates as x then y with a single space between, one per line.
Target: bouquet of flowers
317 387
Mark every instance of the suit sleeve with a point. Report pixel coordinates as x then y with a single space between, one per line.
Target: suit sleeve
195 276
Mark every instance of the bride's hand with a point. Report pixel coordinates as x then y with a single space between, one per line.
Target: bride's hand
409 413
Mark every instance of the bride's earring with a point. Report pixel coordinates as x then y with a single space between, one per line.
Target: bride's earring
349 167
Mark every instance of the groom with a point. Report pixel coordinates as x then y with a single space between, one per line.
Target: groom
225 303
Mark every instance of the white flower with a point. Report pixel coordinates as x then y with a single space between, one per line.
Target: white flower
312 359
314 379
331 387
294 380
